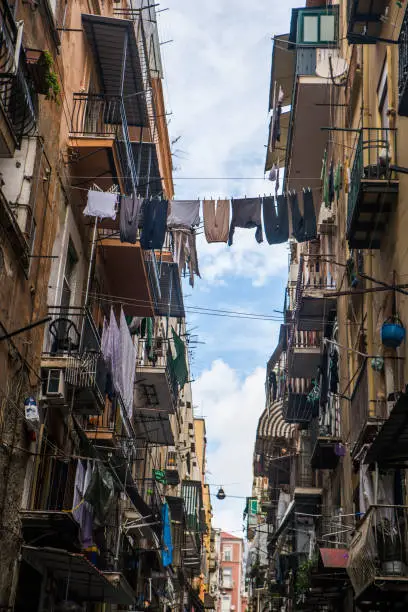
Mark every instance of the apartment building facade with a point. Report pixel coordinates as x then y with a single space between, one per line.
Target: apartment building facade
101 491
331 439
231 573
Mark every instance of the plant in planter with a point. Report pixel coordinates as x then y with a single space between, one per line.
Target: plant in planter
47 79
303 578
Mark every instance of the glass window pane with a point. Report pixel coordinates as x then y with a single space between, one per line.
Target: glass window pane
310 29
327 30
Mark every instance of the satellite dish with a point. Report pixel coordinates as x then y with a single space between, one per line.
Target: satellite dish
339 65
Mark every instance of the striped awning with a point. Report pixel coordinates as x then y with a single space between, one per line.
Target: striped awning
272 426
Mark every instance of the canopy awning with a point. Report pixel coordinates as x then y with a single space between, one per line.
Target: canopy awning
80 576
108 38
334 558
390 446
154 426
272 427
282 69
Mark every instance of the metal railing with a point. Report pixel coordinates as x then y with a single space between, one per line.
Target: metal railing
109 421
403 68
95 115
375 151
157 354
362 408
317 272
379 547
306 339
71 330
150 492
17 96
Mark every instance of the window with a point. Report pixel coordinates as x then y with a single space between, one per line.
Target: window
317 27
226 603
227 577
227 552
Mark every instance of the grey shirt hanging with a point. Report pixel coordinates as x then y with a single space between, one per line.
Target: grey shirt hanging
129 218
246 213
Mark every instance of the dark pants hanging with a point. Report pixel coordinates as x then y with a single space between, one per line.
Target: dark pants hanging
276 222
304 227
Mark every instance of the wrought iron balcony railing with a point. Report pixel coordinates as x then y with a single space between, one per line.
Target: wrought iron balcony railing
17 96
403 69
378 557
373 188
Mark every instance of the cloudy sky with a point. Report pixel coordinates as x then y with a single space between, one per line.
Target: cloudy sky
217 81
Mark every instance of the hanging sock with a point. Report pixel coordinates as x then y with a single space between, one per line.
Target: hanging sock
184 213
129 218
216 220
276 222
154 224
246 213
101 204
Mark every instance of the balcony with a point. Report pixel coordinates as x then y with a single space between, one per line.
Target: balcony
150 492
304 353
157 384
378 564
316 281
390 447
403 69
374 190
105 431
18 103
325 434
297 405
193 503
73 369
312 40
367 415
372 21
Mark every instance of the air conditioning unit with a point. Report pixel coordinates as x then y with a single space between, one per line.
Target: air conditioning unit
54 391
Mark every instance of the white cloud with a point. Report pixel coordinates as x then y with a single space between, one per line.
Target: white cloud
232 408
217 70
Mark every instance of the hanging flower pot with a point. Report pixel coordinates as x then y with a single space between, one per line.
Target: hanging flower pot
377 364
392 332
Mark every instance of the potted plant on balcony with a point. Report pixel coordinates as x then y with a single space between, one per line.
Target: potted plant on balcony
41 66
391 546
392 332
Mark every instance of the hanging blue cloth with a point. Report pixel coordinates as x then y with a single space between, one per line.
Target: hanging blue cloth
167 550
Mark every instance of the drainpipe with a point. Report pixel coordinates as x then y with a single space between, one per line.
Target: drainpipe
369 261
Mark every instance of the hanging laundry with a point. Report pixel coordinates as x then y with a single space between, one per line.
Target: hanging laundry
82 511
331 184
216 220
154 224
338 180
273 174
309 215
134 324
304 227
100 492
101 204
185 252
347 175
127 365
129 218
192 258
146 331
179 363
184 213
246 213
110 343
276 222
167 550
276 129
